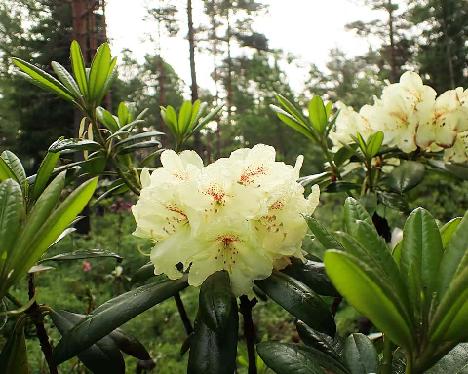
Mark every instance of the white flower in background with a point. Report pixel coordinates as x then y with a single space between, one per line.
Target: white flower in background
411 117
243 214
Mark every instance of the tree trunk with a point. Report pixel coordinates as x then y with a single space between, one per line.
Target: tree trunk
448 47
393 64
193 73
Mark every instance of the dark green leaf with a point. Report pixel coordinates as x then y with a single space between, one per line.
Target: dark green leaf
286 358
312 274
13 358
113 314
360 355
5 171
393 200
448 229
316 340
299 300
322 234
216 302
82 254
455 362
64 145
144 273
11 211
141 145
15 166
406 176
344 154
215 351
141 135
354 211
342 186
129 345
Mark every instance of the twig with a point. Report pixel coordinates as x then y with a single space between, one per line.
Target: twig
246 307
183 314
35 314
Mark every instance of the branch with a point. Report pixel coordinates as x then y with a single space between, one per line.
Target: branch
183 314
246 307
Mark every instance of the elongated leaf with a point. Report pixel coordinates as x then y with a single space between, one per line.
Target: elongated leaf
317 340
123 114
141 135
374 143
66 79
58 221
406 176
198 109
185 113
104 356
299 300
140 145
318 114
129 345
342 186
43 80
291 109
71 144
113 314
353 212
215 350
360 355
455 256
286 358
44 173
111 75
5 171
11 210
356 282
82 254
13 358
78 67
421 254
313 275
448 229
322 234
215 305
99 71
344 154
454 362
107 119
144 273
15 166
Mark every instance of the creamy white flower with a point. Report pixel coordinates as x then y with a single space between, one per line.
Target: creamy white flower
458 153
243 214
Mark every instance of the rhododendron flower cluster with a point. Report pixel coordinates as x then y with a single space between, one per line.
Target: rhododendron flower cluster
411 116
243 214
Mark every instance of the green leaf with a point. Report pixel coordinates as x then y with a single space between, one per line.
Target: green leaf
185 113
342 186
82 254
15 166
354 211
66 79
45 171
318 114
215 305
455 362
322 234
299 300
406 176
58 221
287 358
374 143
292 110
289 120
448 229
214 350
11 211
313 275
5 171
104 356
360 355
421 254
344 154
111 75
455 256
66 145
356 282
113 314
13 358
123 114
129 345
99 72
42 79
198 109
144 273
107 119
78 67
393 201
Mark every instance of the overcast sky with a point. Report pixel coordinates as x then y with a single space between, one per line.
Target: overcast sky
306 28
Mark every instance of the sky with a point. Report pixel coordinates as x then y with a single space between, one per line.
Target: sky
308 29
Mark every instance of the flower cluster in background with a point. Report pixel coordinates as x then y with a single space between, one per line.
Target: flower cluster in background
243 214
411 116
